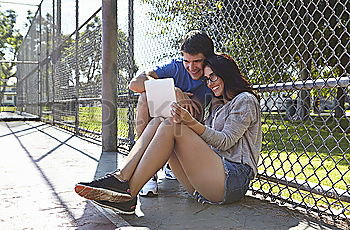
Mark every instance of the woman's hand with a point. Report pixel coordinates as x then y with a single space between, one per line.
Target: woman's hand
181 115
184 100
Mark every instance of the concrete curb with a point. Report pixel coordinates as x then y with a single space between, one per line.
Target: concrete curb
11 116
108 163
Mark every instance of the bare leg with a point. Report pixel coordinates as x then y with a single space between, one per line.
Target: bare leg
138 150
202 166
156 155
180 174
142 114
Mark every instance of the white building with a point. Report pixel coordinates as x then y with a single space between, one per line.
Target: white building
9 96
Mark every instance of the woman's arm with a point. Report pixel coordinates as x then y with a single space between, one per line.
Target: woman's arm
239 117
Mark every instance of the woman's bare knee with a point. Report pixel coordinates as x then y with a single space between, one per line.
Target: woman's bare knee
174 128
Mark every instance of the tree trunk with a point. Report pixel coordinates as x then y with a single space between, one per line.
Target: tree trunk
340 103
304 102
2 93
341 92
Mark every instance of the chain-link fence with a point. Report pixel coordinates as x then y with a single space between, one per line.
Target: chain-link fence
296 53
65 87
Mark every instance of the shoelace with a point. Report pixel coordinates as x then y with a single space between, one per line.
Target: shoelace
108 175
113 172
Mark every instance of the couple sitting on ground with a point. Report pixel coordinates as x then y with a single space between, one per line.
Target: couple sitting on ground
214 162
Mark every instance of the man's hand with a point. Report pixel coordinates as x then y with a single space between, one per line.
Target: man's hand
187 103
137 83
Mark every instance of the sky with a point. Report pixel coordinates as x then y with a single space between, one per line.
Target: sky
68 13
86 9
21 10
155 45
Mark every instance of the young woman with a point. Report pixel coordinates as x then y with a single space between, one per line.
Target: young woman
214 162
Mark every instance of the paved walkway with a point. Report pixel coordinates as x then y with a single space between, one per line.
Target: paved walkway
14 116
40 165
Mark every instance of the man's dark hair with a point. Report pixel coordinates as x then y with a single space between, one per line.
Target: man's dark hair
196 42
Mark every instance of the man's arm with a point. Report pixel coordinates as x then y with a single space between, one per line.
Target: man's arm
137 83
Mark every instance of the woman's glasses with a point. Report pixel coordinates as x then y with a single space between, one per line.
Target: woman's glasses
212 78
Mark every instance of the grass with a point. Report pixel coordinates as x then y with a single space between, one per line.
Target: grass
299 149
316 150
8 109
90 118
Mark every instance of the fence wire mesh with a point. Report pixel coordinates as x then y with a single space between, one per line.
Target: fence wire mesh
296 53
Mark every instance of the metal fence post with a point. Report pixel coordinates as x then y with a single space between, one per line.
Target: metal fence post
131 113
76 102
40 88
56 54
109 55
47 53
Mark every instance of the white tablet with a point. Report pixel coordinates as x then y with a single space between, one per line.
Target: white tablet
160 95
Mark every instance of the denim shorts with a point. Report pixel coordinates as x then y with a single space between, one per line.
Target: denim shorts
237 181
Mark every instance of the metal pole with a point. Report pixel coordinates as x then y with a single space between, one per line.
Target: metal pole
52 63
47 67
59 22
109 55
131 114
39 106
56 42
76 103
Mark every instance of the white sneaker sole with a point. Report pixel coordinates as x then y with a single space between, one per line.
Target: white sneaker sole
118 211
152 192
93 193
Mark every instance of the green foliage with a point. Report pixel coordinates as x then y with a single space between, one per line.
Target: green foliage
30 18
8 108
269 38
315 151
89 59
10 40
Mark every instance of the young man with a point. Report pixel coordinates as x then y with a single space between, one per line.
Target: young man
191 93
186 72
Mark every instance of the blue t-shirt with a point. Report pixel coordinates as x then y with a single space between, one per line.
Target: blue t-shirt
183 80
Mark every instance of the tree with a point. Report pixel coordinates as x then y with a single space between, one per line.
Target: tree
10 40
89 61
272 40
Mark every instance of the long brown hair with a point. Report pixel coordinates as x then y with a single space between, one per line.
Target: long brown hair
226 68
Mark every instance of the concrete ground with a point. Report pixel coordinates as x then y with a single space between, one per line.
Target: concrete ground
40 165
